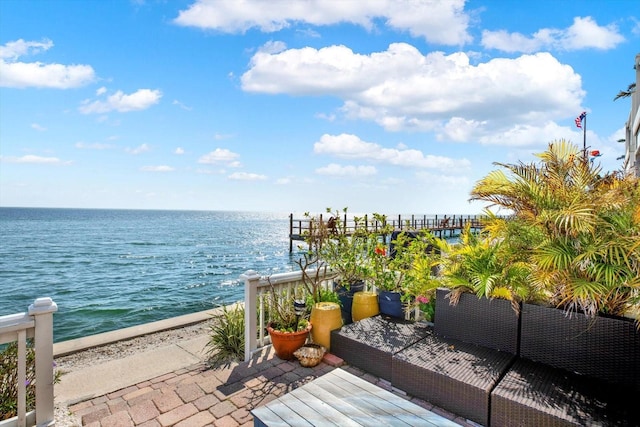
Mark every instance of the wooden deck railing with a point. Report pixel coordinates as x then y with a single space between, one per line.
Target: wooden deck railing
440 225
37 323
257 290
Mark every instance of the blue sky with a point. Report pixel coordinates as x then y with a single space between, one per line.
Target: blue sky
294 106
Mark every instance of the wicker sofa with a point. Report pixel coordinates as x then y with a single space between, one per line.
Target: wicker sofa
457 366
369 344
482 361
572 370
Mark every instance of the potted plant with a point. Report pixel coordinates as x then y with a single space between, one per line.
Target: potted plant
321 300
581 228
387 281
343 247
388 273
488 267
423 253
288 327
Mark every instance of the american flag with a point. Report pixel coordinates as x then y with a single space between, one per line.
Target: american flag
580 118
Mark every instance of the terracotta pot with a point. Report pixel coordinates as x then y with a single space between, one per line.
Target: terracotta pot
286 343
325 317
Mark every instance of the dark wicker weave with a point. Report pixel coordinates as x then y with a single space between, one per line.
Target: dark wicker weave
454 375
370 343
490 323
601 347
573 371
533 394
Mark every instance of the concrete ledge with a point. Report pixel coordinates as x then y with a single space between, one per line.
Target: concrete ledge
64 348
107 377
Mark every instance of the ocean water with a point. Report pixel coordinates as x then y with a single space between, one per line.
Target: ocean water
110 269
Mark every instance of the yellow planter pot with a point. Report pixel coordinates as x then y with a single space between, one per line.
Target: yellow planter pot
365 304
325 317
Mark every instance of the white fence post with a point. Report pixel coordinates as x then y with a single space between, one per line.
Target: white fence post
251 279
42 311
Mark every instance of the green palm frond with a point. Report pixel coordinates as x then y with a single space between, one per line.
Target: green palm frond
554 255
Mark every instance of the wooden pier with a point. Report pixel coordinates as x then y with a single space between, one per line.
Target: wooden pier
439 225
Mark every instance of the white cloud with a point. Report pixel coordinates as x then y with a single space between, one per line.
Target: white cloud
220 155
101 91
246 176
14 50
527 135
442 22
32 159
334 169
38 127
179 151
181 105
351 147
121 102
585 33
161 168
402 89
138 150
36 74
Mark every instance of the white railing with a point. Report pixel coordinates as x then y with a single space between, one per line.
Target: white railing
257 289
36 324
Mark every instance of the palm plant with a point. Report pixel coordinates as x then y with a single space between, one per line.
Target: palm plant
487 266
584 252
626 93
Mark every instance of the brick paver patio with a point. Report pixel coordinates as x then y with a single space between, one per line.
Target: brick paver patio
222 397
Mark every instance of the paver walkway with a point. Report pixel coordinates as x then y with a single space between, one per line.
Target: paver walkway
202 396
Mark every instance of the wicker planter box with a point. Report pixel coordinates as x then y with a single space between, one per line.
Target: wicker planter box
573 371
370 343
491 323
602 347
474 344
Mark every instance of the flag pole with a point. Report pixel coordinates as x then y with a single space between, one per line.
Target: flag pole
584 138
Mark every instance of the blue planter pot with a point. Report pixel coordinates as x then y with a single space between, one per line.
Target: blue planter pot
390 304
346 299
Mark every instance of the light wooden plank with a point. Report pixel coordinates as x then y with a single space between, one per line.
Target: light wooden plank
305 409
412 410
265 416
332 409
342 399
282 410
375 411
361 391
347 411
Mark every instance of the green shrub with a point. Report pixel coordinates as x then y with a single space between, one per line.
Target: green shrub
326 295
9 379
227 336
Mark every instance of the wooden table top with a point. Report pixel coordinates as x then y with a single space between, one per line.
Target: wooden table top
343 399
